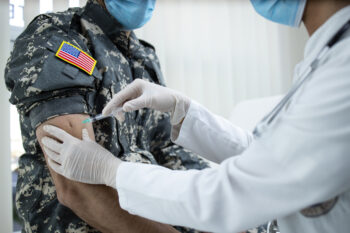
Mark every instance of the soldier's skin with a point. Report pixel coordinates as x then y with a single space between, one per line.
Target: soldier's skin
95 204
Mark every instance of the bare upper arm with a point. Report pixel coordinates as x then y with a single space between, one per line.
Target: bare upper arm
73 125
96 204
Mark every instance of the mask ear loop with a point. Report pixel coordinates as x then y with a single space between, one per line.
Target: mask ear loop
300 13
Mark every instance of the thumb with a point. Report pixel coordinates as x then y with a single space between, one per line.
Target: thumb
120 116
135 104
54 166
109 107
131 91
85 135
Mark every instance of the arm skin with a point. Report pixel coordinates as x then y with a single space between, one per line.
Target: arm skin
96 204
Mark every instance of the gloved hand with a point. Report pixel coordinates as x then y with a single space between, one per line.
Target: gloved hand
142 94
80 160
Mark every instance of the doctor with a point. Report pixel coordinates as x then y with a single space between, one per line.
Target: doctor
295 167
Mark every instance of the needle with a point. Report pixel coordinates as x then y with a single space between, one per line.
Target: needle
101 116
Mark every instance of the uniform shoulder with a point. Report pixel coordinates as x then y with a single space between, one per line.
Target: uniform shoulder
147 44
59 20
64 18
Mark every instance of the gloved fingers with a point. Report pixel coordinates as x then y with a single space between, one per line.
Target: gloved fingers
120 116
56 167
52 144
53 155
131 91
135 104
85 135
58 133
116 102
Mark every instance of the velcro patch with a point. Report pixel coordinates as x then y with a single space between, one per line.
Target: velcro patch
76 57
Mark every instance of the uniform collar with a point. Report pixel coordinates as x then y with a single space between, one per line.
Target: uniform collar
323 34
112 29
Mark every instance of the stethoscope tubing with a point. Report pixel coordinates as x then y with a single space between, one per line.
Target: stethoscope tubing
306 74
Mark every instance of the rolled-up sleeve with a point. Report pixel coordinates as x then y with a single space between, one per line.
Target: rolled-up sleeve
42 85
57 107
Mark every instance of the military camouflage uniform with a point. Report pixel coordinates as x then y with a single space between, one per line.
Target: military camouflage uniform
43 87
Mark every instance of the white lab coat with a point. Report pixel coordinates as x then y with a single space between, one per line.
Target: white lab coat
302 159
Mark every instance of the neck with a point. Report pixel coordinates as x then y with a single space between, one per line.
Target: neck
318 12
102 3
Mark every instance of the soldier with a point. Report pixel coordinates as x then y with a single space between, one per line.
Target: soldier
48 88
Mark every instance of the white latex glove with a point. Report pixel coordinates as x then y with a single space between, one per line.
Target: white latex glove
80 160
142 94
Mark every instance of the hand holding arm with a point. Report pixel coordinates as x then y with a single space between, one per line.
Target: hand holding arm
80 160
96 204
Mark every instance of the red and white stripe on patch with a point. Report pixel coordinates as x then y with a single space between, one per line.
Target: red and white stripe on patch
76 57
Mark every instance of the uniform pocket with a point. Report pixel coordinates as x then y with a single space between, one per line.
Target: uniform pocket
59 74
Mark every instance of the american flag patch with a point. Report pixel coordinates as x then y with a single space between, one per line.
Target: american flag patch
76 57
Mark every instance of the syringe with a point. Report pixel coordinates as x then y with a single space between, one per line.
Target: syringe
101 116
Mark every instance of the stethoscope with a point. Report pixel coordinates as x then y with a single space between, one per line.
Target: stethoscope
305 75
272 226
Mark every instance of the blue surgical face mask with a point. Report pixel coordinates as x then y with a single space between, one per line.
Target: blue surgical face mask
131 14
288 12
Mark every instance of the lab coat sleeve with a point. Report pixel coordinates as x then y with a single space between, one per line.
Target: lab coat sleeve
211 136
301 160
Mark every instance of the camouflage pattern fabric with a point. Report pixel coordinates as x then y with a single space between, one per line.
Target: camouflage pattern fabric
43 86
